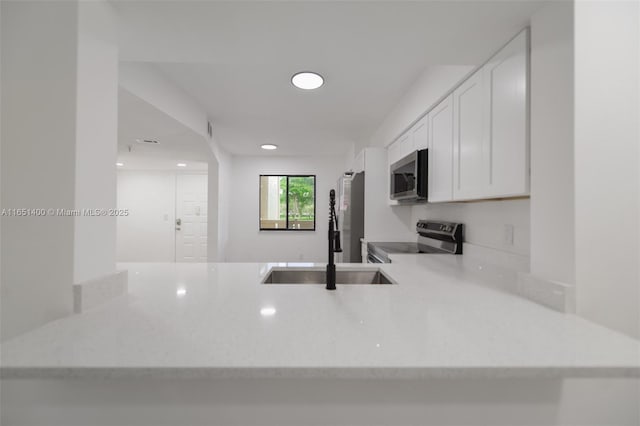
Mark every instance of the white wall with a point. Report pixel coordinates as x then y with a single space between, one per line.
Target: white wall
423 93
226 189
213 210
38 160
146 82
96 140
148 233
552 144
607 177
248 244
59 86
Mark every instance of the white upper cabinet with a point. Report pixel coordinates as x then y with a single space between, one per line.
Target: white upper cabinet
470 154
440 143
478 136
405 145
420 135
491 143
399 148
506 81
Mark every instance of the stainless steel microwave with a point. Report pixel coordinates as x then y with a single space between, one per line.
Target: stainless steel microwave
409 177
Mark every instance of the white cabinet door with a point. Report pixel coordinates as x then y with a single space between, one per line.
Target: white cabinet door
405 144
505 77
394 152
420 135
470 154
440 124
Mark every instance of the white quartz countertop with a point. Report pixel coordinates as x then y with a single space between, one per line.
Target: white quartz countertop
217 320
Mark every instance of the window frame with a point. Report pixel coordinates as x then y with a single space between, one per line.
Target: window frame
286 228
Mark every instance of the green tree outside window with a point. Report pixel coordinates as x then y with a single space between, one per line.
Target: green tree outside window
287 202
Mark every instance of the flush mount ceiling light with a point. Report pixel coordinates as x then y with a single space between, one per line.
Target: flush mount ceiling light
268 311
269 146
181 165
307 80
119 164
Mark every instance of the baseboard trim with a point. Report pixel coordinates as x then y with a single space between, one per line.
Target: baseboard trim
91 293
553 294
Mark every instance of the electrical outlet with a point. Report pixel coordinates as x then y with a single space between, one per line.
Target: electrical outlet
508 234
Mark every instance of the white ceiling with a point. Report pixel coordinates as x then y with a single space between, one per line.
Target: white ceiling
236 59
138 119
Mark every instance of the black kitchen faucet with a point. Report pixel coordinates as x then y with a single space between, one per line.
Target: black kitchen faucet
334 241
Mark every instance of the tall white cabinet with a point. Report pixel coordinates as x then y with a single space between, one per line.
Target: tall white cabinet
440 124
490 142
470 159
506 81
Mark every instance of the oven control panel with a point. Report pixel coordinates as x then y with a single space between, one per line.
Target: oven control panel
450 231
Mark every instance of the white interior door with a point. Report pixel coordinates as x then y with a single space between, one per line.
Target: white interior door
191 218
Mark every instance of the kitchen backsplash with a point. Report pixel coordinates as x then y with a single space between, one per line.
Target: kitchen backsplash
502 224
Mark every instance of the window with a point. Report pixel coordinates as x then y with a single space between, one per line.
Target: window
287 203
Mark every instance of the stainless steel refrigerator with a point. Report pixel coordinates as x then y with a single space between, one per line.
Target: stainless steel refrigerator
351 215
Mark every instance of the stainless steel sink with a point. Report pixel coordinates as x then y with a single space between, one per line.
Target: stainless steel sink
317 276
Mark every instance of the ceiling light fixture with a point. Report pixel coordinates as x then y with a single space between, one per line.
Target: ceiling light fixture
307 80
269 146
268 311
181 165
119 164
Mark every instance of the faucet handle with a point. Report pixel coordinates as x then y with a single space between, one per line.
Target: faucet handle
336 242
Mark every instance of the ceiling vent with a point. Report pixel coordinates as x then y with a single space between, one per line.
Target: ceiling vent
148 141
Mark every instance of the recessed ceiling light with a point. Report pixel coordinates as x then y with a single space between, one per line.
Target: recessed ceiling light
181 165
119 164
268 311
307 80
269 146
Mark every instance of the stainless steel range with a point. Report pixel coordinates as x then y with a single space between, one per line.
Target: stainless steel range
434 237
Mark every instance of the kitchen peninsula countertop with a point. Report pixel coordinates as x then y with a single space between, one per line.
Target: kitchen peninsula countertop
217 320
